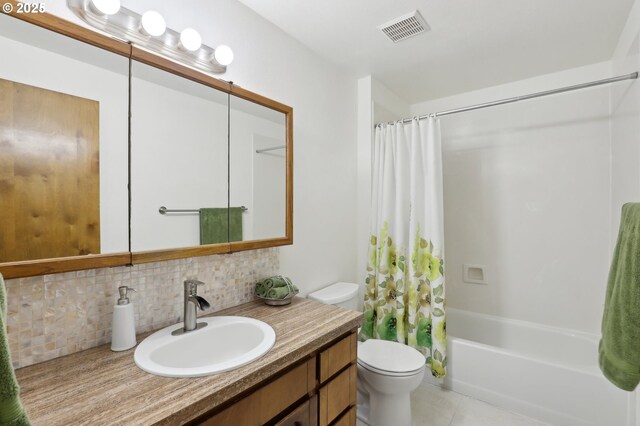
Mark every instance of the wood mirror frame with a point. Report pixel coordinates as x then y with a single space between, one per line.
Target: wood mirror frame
66 264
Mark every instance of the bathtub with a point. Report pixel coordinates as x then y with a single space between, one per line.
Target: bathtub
547 373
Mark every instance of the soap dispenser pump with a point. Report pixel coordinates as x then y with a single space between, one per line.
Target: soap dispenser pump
123 327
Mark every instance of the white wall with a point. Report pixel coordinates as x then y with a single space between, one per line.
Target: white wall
75 69
376 104
363 165
268 204
387 106
527 195
323 97
625 138
625 122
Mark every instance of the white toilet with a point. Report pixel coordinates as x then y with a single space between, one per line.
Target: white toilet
387 371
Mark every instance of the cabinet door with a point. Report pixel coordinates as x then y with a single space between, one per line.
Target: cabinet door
347 419
337 395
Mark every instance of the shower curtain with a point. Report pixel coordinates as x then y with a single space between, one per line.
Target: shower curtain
405 294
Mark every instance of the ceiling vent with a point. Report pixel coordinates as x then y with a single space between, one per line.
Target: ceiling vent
405 26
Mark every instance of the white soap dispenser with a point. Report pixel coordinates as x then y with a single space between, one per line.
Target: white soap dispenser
123 327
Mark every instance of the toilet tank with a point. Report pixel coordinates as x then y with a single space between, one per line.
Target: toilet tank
340 294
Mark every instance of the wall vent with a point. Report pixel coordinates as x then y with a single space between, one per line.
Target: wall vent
405 26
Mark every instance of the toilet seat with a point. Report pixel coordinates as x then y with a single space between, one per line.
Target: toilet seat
390 373
390 358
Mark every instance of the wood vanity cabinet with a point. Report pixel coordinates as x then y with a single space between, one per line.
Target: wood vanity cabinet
337 382
318 391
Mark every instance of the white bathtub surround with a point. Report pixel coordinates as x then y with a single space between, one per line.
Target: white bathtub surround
508 172
547 373
404 299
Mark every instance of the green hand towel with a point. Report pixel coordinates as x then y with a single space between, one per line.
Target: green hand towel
214 225
260 290
620 344
280 292
11 411
235 224
220 225
274 282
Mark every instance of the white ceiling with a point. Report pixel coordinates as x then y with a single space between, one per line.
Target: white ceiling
472 43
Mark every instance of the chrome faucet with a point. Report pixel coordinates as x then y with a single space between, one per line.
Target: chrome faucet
192 302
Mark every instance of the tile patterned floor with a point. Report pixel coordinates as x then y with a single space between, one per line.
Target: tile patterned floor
433 406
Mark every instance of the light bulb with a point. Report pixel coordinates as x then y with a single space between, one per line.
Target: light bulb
190 39
223 54
106 7
153 24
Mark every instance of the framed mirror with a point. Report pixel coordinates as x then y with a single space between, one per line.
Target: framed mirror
63 152
258 166
185 213
199 184
179 161
261 169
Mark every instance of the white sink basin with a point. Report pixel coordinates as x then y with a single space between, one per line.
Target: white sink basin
224 344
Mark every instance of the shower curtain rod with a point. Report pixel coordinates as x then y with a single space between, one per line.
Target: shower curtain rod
631 76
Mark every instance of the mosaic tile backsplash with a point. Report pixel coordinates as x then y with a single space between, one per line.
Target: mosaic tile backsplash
55 315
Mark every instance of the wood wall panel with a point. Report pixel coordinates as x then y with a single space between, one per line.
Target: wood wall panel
49 182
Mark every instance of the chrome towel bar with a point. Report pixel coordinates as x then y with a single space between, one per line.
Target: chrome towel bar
164 210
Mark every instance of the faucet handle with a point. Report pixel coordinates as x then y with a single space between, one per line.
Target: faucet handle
191 286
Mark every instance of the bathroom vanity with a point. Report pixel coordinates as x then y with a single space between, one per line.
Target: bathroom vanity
307 378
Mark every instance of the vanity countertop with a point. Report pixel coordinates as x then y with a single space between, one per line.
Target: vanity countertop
101 387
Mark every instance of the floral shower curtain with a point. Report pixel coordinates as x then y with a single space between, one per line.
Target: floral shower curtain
405 295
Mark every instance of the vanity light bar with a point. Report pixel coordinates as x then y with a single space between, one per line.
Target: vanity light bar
127 25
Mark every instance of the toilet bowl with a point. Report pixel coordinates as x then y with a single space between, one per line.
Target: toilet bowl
387 374
387 371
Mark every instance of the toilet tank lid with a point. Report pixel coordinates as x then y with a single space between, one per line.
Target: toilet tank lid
335 293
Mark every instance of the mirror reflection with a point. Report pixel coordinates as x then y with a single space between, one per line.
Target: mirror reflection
63 146
258 168
179 161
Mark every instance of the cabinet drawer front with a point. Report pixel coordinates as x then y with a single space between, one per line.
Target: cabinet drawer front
298 417
266 402
337 357
337 395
